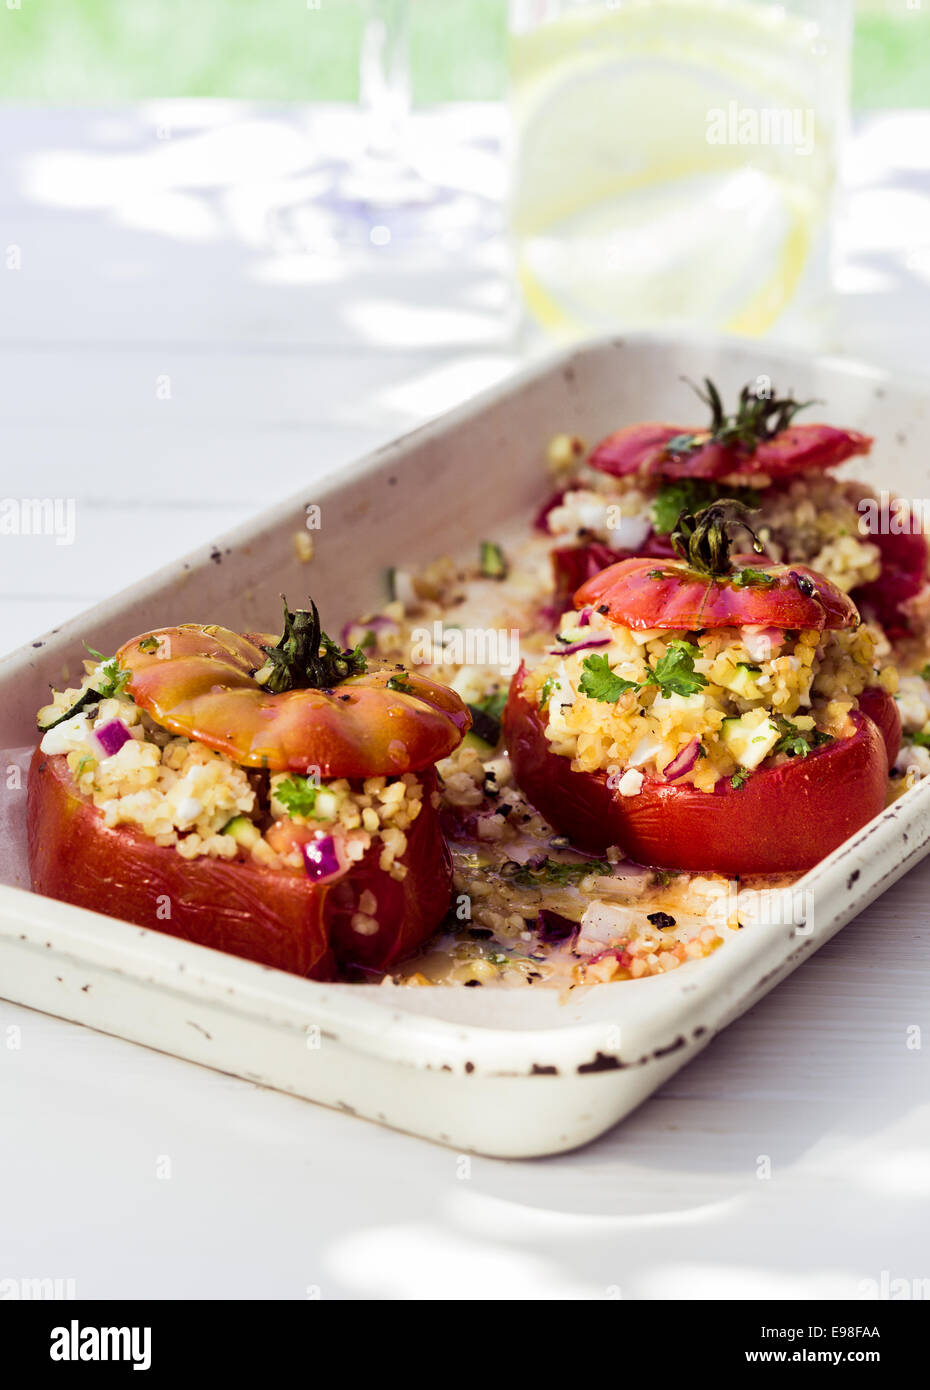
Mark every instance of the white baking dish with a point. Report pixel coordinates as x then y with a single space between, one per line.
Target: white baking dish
510 1073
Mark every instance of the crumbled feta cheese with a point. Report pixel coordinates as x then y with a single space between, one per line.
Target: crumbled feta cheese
68 737
631 783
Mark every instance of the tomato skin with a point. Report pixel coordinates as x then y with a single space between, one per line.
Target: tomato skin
572 565
783 820
798 449
680 598
903 576
883 710
278 918
201 685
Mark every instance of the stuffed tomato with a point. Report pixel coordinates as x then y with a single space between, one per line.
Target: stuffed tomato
707 715
276 800
625 497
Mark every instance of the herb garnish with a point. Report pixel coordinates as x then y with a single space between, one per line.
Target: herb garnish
750 578
674 674
739 779
795 742
297 795
756 419
112 680
545 690
399 683
599 682
558 871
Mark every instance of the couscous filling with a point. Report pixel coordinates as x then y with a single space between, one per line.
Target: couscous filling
695 707
185 795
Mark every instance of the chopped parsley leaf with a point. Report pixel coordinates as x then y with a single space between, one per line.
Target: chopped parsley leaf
797 743
751 578
113 680
739 779
674 672
559 872
297 795
599 682
399 683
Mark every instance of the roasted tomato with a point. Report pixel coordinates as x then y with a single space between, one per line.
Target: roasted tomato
785 816
642 594
299 705
903 576
277 917
782 820
573 564
200 681
760 438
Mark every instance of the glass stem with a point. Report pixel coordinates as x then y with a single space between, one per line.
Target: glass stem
384 75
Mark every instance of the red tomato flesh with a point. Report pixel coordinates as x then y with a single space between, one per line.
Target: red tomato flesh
783 819
799 449
275 917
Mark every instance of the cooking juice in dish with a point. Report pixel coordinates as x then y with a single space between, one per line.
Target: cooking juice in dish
674 162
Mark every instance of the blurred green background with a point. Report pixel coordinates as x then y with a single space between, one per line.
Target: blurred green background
98 51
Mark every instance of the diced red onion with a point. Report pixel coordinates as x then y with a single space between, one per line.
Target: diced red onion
684 761
541 519
553 927
321 858
584 618
379 623
111 736
581 646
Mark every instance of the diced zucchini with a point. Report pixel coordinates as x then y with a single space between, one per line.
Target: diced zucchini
50 716
245 832
480 745
751 738
744 681
493 564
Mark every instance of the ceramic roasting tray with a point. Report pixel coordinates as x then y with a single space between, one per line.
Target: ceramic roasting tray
501 1072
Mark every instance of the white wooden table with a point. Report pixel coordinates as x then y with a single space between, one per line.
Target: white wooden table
172 358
